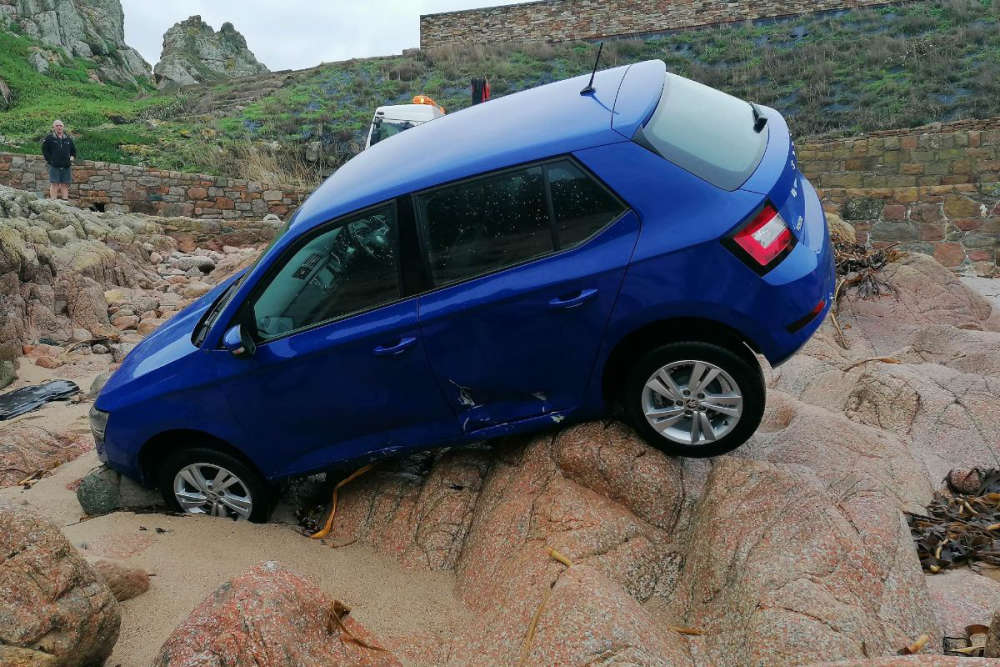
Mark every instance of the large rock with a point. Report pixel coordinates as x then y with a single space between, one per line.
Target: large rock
590 620
51 602
103 490
808 580
963 598
421 520
194 53
928 294
530 504
91 29
26 450
8 373
268 616
99 492
124 583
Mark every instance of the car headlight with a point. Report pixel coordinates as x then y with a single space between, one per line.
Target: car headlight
98 425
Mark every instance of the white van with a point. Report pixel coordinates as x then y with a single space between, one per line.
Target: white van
391 120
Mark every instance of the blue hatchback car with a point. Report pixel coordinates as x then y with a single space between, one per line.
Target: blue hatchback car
549 256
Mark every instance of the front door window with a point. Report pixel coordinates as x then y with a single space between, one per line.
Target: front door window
345 269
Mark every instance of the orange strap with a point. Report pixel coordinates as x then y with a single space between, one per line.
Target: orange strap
329 522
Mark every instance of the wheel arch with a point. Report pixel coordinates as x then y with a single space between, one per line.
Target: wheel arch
633 345
157 447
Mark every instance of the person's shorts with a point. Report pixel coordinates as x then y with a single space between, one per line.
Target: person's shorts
60 175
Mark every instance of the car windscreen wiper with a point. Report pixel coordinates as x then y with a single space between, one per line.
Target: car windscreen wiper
759 119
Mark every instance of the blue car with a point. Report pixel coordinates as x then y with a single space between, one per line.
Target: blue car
556 255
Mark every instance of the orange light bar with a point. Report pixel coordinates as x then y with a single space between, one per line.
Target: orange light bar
424 99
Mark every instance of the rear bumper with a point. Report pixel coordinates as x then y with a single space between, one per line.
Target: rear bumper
804 283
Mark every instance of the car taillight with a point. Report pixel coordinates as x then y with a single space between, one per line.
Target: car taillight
763 241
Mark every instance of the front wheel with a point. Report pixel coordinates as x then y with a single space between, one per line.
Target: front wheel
695 399
209 482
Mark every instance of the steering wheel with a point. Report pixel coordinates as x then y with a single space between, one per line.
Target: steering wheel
358 242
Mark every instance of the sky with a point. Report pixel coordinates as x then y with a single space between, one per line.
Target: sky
295 34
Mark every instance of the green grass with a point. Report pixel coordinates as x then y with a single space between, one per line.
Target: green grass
833 74
830 75
67 92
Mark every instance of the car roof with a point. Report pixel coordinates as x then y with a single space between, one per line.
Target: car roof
550 120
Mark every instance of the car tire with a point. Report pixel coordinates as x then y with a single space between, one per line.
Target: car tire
194 472
699 424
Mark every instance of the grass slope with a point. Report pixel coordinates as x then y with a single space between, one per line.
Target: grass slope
831 74
67 91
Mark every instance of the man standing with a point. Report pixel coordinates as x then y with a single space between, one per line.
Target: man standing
59 152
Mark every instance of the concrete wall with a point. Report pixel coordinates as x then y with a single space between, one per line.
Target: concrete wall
142 190
934 189
567 20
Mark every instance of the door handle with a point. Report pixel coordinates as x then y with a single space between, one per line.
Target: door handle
573 302
394 351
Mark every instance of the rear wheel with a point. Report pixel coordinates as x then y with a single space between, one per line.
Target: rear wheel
695 399
208 482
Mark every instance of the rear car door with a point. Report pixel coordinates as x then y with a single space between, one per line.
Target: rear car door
525 266
339 370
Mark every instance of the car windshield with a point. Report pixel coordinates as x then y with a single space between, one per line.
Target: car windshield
220 304
713 135
389 127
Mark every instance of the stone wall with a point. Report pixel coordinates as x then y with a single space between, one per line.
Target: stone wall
934 189
127 188
939 154
567 20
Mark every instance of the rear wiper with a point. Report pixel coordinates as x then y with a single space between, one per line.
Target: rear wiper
759 119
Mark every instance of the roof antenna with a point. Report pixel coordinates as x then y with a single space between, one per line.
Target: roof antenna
589 90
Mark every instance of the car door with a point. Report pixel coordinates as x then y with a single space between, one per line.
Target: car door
339 369
526 265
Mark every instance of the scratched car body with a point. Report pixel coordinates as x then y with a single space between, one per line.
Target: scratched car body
552 256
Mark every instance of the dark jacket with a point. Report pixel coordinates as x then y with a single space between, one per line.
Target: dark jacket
58 151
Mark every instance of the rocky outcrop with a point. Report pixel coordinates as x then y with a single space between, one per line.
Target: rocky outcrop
26 450
91 29
54 610
194 53
270 616
68 274
799 535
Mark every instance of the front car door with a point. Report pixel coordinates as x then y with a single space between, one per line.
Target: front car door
339 371
526 265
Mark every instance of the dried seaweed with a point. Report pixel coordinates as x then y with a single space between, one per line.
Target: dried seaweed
960 528
858 267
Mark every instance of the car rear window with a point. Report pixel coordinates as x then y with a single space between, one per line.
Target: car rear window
706 132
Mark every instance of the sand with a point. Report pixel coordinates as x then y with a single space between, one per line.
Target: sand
195 555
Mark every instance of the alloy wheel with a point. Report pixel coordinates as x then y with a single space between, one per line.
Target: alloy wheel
692 402
207 488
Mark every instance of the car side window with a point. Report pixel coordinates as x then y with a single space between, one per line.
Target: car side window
345 269
482 225
490 223
581 205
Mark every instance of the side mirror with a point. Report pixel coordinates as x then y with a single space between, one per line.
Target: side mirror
239 343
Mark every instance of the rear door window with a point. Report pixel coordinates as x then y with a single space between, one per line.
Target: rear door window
484 225
706 132
497 221
581 205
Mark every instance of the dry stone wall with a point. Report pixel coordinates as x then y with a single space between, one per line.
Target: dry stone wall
127 188
567 20
934 189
